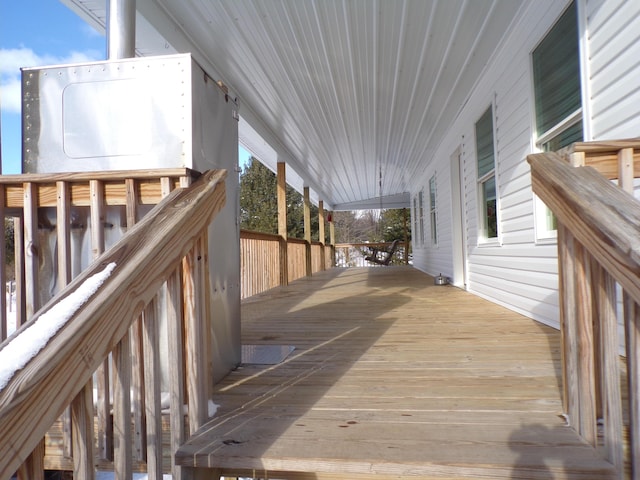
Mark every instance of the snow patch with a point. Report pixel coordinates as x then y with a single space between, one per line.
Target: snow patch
33 339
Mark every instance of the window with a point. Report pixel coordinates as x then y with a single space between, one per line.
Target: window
485 152
421 216
432 210
558 104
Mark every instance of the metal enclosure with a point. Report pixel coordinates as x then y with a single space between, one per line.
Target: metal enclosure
143 113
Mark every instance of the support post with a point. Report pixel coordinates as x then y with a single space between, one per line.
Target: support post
332 240
307 232
406 236
321 234
282 222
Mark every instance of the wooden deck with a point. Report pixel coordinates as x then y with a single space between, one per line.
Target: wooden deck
392 377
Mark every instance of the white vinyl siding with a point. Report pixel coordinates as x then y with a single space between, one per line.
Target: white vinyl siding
521 273
613 35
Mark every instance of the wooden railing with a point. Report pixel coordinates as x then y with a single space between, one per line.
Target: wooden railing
296 258
72 211
598 246
164 253
260 260
353 254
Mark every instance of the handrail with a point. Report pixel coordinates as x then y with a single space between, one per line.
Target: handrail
148 255
598 245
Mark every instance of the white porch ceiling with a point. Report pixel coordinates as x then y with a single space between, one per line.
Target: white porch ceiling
354 95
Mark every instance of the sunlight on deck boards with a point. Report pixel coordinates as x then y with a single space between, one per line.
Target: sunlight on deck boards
392 376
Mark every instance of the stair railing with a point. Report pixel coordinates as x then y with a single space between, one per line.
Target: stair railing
598 246
165 252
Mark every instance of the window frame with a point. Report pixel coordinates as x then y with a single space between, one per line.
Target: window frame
433 215
544 233
421 216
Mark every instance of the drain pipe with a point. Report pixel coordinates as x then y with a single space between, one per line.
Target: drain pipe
121 29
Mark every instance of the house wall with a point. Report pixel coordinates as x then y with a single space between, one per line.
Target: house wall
613 41
519 271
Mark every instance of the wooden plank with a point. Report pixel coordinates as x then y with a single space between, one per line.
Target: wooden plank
175 327
138 393
122 439
21 300
632 337
63 227
150 191
63 237
141 267
33 467
625 169
137 364
392 377
605 146
153 411
103 406
195 334
32 249
83 437
568 323
610 377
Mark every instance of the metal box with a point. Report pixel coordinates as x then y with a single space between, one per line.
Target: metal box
144 113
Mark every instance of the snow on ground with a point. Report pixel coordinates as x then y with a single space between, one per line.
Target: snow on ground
15 355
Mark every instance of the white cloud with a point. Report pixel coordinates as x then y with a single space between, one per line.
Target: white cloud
13 59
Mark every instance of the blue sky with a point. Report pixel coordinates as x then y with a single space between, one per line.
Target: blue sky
38 33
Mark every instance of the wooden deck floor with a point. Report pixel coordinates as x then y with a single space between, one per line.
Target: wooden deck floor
392 377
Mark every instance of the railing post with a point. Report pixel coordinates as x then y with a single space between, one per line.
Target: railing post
632 334
609 372
33 468
282 222
175 325
105 429
79 440
406 236
21 298
32 248
321 233
122 457
197 380
332 240
137 365
584 316
153 413
568 334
